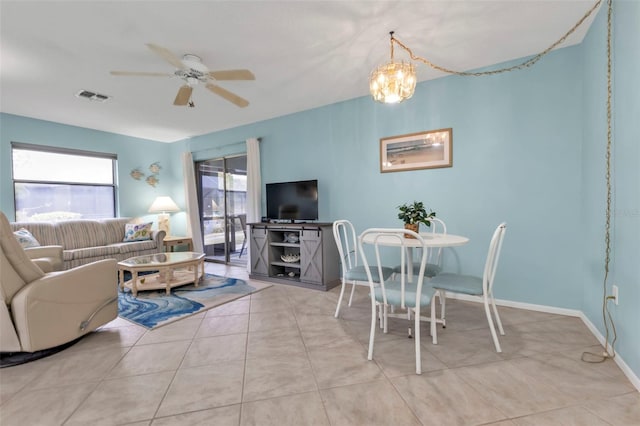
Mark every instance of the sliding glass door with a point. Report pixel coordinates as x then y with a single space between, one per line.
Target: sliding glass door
222 192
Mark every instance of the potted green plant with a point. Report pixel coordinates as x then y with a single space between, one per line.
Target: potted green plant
413 214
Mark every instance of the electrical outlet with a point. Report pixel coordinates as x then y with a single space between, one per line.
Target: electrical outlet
615 294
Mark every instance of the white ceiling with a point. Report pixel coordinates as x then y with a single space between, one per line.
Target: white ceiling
304 54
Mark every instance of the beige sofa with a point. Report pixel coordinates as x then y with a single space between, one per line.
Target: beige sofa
84 241
41 310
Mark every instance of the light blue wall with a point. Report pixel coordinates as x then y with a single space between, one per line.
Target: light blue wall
135 197
624 268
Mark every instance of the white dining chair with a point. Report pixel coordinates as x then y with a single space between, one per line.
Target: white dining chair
434 254
475 285
399 292
344 235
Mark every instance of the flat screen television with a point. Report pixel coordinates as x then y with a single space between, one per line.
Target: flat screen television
295 201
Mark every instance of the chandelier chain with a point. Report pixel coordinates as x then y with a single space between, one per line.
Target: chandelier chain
520 66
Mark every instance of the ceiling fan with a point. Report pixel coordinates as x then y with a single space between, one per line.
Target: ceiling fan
192 71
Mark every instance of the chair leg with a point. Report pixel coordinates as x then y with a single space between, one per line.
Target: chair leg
434 329
495 313
372 333
353 290
385 318
442 295
491 326
340 299
418 356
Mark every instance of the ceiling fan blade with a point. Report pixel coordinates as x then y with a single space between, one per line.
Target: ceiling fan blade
142 74
166 55
232 75
231 97
183 96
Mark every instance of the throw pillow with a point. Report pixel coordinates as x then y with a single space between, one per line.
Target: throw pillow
137 232
25 238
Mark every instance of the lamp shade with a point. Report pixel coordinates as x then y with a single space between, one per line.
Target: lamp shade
163 204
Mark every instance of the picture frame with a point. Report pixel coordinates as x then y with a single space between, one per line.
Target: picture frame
415 151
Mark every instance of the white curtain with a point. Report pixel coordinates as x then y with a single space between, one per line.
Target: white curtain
191 198
254 186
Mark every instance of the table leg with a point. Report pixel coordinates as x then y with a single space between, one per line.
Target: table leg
134 283
121 279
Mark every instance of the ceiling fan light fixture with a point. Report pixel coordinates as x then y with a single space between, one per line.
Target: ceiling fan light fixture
393 82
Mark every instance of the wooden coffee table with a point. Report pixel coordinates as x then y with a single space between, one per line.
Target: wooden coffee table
174 269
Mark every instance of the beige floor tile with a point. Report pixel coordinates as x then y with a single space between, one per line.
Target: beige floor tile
623 410
147 359
45 406
13 379
223 416
270 304
326 333
201 388
574 377
372 403
293 351
216 349
443 398
180 330
262 321
65 368
571 416
221 325
470 347
273 343
123 400
514 388
277 376
398 357
343 365
236 307
116 336
300 409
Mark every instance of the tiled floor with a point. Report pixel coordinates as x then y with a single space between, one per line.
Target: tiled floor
280 358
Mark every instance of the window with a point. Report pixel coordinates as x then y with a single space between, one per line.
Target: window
59 184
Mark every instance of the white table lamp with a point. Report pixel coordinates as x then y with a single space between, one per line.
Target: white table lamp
164 205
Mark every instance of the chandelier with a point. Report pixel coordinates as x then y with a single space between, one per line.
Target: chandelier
393 82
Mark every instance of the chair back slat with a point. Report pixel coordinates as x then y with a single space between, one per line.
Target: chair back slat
391 237
491 265
344 235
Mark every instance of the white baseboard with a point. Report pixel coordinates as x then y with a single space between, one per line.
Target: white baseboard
633 378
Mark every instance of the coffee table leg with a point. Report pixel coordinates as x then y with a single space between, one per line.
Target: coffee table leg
134 283
121 281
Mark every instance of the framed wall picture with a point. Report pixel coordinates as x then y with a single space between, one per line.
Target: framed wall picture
425 150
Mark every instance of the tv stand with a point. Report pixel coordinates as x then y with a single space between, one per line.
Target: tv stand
301 254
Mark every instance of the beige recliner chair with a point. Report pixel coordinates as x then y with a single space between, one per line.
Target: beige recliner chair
42 310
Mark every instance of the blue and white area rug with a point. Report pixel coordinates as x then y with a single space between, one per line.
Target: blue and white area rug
156 308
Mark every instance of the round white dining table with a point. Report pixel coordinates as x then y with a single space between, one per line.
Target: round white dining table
430 240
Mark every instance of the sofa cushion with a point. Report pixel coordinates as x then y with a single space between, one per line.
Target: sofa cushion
135 246
100 251
25 239
137 232
75 234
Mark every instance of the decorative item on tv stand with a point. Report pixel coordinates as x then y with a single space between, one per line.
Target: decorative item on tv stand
413 214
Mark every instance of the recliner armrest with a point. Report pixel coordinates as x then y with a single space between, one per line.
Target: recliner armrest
48 258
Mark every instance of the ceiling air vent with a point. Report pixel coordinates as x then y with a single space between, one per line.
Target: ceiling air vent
92 96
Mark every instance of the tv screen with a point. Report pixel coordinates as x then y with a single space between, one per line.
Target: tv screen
293 200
